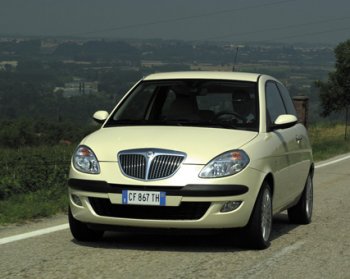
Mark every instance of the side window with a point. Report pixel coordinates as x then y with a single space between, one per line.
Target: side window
287 99
274 104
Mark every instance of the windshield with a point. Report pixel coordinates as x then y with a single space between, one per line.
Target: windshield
207 103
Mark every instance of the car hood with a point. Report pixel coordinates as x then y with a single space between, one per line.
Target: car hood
200 144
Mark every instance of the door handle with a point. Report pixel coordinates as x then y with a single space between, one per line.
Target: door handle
299 139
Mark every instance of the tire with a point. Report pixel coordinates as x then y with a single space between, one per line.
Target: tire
81 232
258 230
301 213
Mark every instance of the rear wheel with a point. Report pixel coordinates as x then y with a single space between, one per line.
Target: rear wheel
81 231
259 228
301 213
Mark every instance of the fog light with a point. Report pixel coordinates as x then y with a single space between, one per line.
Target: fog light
230 206
76 200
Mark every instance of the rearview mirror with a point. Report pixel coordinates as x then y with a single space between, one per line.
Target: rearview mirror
284 121
100 116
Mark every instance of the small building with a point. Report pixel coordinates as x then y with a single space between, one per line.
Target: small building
78 87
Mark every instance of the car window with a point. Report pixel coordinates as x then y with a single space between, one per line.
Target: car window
137 107
212 103
287 99
169 100
274 104
215 102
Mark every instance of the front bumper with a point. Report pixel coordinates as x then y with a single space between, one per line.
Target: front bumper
204 190
193 206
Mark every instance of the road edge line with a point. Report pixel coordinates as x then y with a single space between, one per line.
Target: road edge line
332 162
22 236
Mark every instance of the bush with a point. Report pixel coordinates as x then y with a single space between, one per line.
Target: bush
30 133
28 170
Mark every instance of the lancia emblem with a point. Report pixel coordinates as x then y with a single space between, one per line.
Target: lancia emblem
150 154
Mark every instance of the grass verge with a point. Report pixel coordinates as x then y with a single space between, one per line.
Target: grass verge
42 203
328 141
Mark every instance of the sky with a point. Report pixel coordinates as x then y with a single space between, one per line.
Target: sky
285 21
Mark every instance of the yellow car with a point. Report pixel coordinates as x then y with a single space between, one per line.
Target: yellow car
194 150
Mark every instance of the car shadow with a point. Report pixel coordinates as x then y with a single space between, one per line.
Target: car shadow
281 226
186 241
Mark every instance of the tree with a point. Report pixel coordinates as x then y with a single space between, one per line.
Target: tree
335 93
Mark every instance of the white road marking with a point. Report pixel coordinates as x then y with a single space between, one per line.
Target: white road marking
33 234
66 226
332 162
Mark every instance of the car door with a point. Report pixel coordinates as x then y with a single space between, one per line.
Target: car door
299 151
284 145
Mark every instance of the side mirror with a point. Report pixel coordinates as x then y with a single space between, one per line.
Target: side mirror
284 121
100 116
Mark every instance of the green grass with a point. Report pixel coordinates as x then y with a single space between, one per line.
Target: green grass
33 182
42 203
327 141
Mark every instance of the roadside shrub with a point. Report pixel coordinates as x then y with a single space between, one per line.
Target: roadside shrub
29 170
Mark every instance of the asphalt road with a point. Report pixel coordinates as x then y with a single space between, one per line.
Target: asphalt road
318 250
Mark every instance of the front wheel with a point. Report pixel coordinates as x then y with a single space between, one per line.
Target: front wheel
81 231
301 213
259 228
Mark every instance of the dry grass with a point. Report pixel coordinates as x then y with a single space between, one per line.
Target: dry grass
328 140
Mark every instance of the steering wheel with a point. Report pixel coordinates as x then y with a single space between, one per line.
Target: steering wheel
234 114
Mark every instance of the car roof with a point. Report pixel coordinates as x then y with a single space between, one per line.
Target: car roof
252 77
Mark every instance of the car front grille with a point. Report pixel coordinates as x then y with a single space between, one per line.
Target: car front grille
133 165
185 211
150 164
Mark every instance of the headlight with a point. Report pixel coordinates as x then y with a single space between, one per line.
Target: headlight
84 160
225 164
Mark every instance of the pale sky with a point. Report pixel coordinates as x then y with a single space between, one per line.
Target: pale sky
288 21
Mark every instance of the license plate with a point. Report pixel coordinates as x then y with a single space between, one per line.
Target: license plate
143 197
